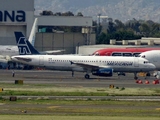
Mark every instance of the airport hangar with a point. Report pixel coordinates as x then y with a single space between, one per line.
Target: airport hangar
19 15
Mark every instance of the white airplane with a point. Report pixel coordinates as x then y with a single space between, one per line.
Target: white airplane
154 57
97 65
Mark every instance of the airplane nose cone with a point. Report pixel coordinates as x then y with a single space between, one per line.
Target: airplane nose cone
13 58
152 66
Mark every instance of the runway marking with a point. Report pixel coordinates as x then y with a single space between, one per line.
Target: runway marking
157 108
52 107
2 104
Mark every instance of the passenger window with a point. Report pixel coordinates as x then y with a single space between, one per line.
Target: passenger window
136 54
116 54
127 54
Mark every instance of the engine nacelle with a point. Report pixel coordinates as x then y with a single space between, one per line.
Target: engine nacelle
107 72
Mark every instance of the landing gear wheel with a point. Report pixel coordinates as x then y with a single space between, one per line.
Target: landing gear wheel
148 74
72 73
136 78
87 76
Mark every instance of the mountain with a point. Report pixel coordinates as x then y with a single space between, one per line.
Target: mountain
117 9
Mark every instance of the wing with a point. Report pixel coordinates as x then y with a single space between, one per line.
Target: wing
87 66
23 59
52 51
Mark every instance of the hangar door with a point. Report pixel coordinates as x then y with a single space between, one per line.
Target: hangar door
7 36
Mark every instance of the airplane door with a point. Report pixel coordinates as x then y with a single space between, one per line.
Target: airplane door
155 58
98 62
136 62
41 60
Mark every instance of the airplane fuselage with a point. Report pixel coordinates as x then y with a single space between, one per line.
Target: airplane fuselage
130 51
8 50
62 62
153 56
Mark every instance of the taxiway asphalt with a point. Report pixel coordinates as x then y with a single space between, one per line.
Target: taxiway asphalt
62 78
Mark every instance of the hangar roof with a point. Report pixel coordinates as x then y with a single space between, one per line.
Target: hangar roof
9 5
64 21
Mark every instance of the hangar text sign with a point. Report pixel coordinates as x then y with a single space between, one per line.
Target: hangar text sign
13 16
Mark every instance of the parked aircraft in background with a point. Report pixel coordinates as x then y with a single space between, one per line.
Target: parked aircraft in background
6 51
129 51
154 57
26 48
33 32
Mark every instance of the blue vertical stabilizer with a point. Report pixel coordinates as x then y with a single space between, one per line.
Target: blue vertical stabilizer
24 46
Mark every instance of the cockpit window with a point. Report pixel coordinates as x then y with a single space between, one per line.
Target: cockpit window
145 62
96 54
136 54
139 56
143 56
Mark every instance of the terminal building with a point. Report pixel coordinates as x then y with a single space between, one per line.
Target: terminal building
18 15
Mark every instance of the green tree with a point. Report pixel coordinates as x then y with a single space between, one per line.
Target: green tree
119 25
111 27
45 12
145 29
103 39
69 13
58 14
79 14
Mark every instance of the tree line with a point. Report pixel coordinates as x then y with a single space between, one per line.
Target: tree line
131 30
69 13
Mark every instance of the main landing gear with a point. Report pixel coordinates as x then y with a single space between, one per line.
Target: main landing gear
135 76
72 73
87 76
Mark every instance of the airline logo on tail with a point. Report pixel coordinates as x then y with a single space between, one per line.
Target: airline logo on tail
24 46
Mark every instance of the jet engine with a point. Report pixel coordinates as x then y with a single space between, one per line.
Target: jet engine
106 72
